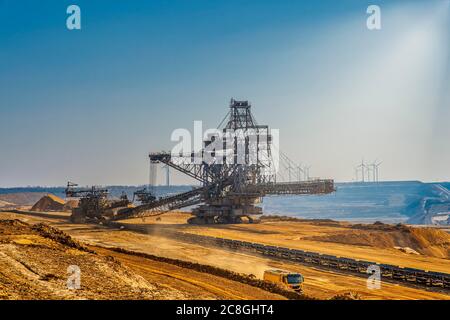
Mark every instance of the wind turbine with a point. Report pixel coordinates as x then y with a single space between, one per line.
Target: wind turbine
299 172
362 166
375 166
288 165
356 173
289 168
368 172
306 172
374 170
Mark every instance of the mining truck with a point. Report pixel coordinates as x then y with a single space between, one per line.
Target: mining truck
291 280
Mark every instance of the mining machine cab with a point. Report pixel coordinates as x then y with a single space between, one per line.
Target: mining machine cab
93 204
144 196
292 280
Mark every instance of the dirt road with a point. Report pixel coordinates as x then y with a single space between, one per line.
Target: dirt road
208 286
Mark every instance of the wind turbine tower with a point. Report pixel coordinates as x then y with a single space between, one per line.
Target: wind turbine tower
300 172
376 166
362 166
289 171
356 173
306 172
368 172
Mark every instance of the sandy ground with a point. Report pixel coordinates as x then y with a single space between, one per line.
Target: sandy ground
33 266
306 235
318 283
194 285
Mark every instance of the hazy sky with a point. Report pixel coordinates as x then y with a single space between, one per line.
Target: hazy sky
88 105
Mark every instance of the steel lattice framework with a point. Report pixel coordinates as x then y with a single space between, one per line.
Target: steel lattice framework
236 169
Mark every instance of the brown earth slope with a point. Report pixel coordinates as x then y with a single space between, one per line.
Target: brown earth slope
22 198
426 241
322 284
70 204
319 283
381 244
49 202
34 261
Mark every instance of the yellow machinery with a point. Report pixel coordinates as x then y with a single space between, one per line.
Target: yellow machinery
291 280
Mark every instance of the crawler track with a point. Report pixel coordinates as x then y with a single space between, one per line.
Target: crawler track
411 276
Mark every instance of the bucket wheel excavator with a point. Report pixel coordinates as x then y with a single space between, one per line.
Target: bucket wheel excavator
235 168
93 204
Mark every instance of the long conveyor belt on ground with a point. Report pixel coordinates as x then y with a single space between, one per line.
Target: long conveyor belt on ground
392 273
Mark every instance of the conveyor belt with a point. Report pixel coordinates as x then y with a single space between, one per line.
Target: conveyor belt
163 205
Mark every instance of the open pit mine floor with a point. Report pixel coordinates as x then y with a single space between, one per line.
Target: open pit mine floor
380 243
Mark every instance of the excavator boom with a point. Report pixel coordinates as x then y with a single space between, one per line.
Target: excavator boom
235 167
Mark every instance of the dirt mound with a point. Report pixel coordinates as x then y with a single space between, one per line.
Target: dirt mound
426 241
381 227
13 226
70 204
431 241
16 226
22 198
320 222
36 263
346 296
49 202
57 235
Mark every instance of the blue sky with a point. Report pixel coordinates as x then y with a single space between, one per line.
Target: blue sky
88 105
